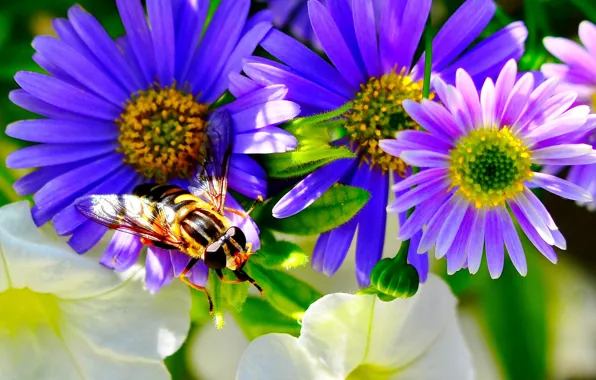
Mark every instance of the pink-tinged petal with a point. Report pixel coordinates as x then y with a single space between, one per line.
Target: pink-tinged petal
540 208
531 233
560 241
466 87
419 140
430 235
495 250
442 117
426 119
503 87
454 102
587 35
535 218
562 151
488 103
561 187
536 102
425 159
570 121
557 105
512 242
451 226
518 99
456 255
422 215
475 245
417 195
573 54
420 178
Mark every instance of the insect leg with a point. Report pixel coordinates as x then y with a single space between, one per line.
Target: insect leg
225 280
245 215
201 288
183 278
243 276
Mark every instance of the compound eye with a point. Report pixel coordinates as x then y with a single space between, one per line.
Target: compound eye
215 256
238 236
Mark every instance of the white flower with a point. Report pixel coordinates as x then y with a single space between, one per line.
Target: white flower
354 337
64 316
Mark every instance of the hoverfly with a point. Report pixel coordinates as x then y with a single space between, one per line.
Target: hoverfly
193 222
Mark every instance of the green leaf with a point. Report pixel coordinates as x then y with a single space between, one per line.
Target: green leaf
587 7
302 161
335 207
259 318
280 255
284 292
225 296
515 309
5 27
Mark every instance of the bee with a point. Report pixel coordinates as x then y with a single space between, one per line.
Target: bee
193 222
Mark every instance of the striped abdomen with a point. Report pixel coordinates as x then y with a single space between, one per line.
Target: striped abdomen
198 223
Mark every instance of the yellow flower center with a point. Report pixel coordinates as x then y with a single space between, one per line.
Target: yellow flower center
490 166
594 102
377 113
162 133
26 309
371 372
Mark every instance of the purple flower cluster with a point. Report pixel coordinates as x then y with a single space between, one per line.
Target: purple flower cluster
372 54
460 160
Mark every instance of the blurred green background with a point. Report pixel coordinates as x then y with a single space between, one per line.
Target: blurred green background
539 327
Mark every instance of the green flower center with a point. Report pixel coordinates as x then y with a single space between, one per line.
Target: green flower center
162 133
26 309
490 166
377 113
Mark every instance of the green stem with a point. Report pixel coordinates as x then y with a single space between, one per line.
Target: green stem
322 117
428 60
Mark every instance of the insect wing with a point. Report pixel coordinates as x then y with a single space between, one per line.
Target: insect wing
212 180
132 214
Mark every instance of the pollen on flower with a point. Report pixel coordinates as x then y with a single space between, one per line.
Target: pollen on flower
28 310
489 166
162 133
377 113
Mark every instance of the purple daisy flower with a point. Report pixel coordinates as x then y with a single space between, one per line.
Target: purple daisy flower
477 153
372 56
120 113
577 75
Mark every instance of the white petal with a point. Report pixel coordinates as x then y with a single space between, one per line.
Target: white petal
131 321
404 329
210 344
447 359
38 354
96 363
335 329
280 357
44 264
